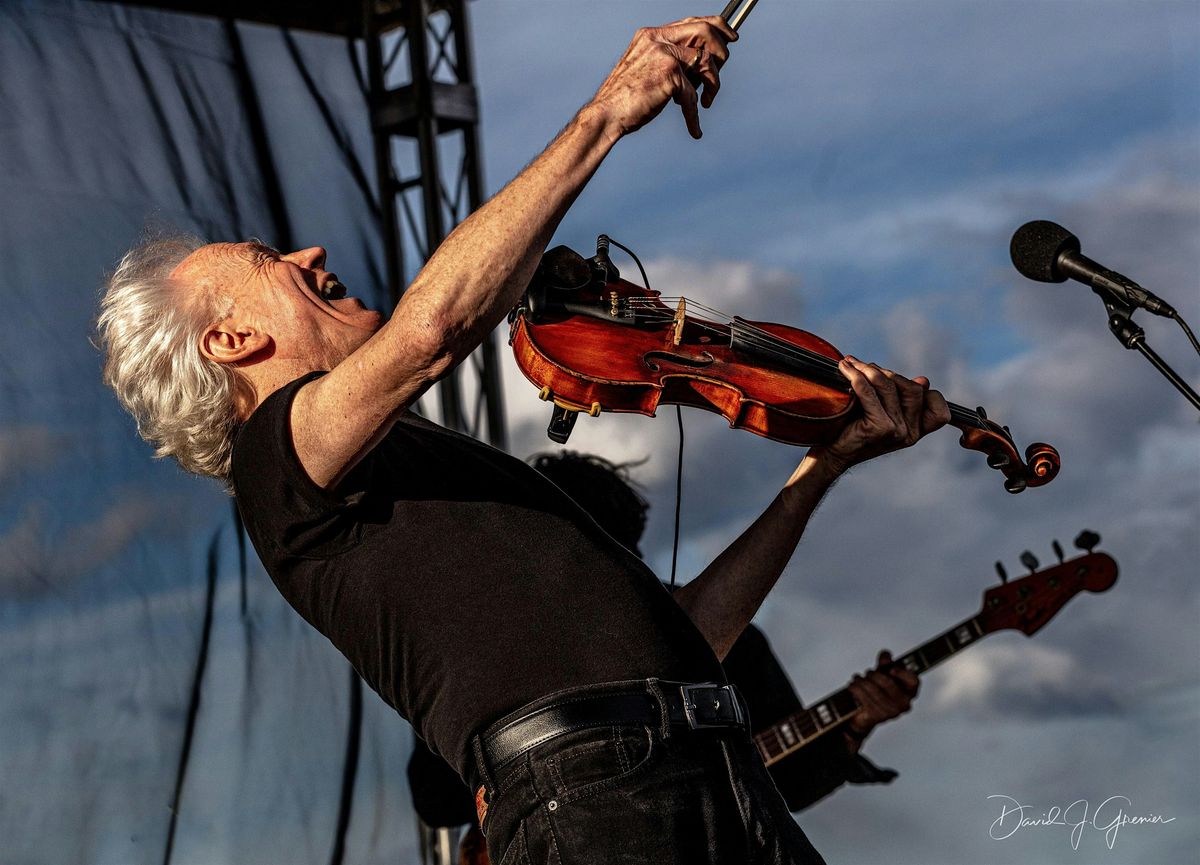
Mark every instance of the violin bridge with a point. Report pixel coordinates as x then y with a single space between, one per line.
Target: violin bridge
680 315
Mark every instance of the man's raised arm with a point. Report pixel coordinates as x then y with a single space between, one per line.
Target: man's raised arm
480 270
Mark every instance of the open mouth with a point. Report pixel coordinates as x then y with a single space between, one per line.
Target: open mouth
332 290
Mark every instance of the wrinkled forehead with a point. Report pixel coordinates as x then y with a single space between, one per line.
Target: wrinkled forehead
219 263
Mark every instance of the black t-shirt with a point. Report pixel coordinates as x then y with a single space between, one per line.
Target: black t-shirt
459 581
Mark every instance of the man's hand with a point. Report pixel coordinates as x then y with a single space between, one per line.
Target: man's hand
883 693
896 413
655 68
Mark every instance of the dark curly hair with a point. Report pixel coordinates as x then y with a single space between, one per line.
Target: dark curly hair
602 488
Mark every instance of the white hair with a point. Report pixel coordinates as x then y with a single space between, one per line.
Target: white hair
150 329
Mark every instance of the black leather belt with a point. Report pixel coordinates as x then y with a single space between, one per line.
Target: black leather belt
695 707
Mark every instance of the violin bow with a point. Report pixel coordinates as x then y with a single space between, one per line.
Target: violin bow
734 16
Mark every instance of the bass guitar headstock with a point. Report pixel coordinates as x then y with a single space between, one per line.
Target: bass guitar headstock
1028 603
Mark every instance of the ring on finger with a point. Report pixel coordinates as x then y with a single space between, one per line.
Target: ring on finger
695 64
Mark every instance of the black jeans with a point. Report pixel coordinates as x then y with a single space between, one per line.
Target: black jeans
639 795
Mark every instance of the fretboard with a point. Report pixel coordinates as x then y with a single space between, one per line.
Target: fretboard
794 732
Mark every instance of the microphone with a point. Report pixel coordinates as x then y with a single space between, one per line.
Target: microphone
603 269
1046 252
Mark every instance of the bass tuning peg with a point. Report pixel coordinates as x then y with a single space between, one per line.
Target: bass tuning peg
1057 547
1029 560
1003 573
1087 540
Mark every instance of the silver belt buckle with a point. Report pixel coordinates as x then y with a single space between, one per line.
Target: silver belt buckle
723 692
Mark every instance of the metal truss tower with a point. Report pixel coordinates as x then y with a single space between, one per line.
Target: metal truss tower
425 122
424 114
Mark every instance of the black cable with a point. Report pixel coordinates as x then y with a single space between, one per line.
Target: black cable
633 255
1188 331
678 494
604 238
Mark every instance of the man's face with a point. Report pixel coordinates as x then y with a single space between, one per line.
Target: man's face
291 298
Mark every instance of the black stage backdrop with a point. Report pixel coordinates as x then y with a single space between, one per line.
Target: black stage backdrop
159 701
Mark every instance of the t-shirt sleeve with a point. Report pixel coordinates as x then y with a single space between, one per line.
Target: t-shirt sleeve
278 501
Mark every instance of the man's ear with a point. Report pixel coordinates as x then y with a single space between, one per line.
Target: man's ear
230 342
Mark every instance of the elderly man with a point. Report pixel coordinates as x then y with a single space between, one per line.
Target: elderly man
580 700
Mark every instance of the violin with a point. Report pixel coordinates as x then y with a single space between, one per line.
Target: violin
593 342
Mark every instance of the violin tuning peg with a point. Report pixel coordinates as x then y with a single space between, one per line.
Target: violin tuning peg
1029 560
980 411
1003 573
1087 540
998 460
1015 485
1057 547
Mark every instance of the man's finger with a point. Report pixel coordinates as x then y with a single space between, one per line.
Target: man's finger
711 28
889 397
937 411
706 71
885 699
872 408
908 681
912 402
685 98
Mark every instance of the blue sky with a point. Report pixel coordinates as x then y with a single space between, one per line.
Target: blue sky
860 175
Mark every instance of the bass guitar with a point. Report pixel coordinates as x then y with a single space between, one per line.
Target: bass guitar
1025 605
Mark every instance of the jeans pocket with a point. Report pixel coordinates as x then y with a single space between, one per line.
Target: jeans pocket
587 762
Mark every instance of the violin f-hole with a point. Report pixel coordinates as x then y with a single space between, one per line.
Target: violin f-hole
690 361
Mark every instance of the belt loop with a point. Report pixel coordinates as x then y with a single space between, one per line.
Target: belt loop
485 771
745 707
655 689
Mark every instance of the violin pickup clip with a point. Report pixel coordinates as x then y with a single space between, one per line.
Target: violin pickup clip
562 421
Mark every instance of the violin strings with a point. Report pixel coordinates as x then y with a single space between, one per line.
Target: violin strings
771 345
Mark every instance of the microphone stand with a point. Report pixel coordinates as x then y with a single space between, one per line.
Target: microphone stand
1130 334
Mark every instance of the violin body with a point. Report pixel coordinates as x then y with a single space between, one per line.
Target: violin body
593 342
639 367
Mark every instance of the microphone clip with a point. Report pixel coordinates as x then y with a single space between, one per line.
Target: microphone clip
603 270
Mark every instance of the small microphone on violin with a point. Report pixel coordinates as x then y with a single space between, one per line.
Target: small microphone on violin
603 270
1047 252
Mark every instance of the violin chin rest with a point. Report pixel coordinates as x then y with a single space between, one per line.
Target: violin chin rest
564 269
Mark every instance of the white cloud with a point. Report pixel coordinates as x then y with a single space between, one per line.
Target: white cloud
1027 679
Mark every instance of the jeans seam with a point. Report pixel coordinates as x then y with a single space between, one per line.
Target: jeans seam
594 787
510 780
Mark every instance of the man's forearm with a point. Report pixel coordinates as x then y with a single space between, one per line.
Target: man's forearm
723 599
480 270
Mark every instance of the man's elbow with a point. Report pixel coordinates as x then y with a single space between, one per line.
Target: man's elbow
433 341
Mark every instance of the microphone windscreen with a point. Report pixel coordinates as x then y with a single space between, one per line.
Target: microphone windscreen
1035 249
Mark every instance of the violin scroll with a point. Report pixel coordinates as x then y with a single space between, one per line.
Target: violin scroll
1039 467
